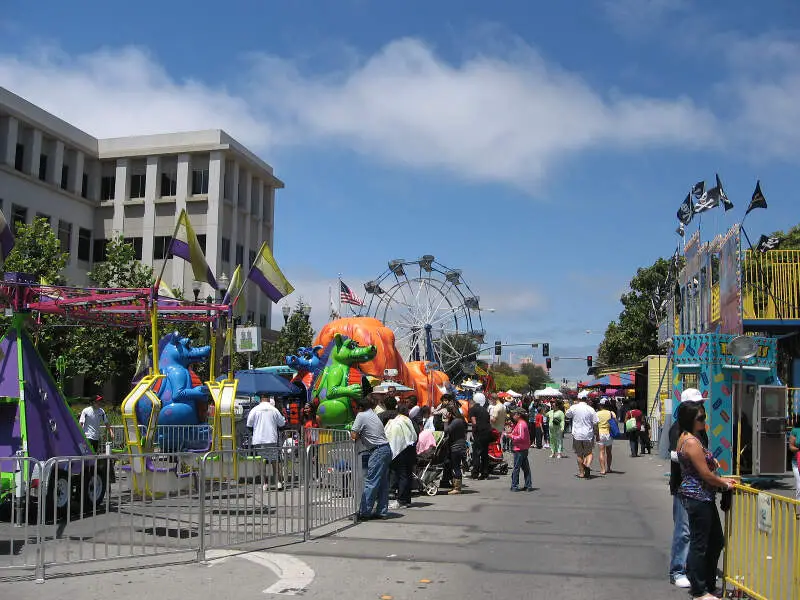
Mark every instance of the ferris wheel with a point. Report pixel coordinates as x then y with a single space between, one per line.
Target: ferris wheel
432 310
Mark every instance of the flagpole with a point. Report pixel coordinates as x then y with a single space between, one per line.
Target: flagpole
339 312
166 257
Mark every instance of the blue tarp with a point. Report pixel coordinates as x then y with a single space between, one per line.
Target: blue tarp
254 382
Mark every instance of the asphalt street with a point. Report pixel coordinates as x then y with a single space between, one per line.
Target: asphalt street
598 539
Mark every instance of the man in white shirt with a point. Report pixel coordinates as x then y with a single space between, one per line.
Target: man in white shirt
584 432
264 421
92 419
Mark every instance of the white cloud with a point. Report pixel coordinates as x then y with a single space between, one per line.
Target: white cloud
488 118
117 92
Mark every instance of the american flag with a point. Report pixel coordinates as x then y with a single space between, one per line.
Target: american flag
347 296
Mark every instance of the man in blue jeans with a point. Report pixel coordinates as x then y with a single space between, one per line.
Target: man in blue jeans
368 431
680 520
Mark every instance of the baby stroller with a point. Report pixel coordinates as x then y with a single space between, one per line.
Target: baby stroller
497 463
430 465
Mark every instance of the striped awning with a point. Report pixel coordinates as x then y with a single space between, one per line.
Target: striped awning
613 380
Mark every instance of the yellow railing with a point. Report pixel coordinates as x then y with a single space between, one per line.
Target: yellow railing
716 314
771 285
762 556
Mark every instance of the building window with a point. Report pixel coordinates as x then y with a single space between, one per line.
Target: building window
252 258
262 320
107 185
43 167
64 176
169 184
201 239
99 250
19 214
19 157
84 244
138 183
136 242
161 247
199 181
64 235
85 185
239 254
43 216
226 250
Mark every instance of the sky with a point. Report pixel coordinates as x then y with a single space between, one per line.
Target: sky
543 148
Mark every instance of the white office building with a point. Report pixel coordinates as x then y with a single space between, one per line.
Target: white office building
91 190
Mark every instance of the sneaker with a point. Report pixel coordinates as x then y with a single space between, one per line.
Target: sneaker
681 581
394 505
514 489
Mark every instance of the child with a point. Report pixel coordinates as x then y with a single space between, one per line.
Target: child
644 437
507 436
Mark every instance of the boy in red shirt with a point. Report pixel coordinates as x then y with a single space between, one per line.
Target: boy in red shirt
520 443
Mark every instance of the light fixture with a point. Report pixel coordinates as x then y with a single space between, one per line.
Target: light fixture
426 262
306 310
453 276
196 285
373 287
223 281
286 310
396 266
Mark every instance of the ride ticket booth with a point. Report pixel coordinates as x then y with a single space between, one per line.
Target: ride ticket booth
746 405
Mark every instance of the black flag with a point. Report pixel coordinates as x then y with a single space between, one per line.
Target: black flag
681 230
723 197
758 200
707 201
767 243
686 210
698 189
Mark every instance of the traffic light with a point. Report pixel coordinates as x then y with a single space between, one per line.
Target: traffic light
498 348
588 361
549 364
545 350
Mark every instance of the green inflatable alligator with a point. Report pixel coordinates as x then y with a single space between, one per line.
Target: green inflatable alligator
333 394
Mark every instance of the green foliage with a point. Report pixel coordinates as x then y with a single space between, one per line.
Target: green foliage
37 251
296 333
505 382
634 334
537 376
102 353
456 350
529 378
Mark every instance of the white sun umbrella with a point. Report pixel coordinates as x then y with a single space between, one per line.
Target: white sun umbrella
583 394
547 393
385 386
514 394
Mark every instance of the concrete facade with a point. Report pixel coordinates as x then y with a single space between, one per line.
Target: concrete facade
94 189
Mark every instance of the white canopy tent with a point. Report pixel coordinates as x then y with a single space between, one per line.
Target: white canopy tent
514 394
547 393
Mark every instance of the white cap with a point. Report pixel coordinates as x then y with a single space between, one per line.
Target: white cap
479 398
691 395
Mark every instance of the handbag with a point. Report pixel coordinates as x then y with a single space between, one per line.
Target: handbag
630 425
613 427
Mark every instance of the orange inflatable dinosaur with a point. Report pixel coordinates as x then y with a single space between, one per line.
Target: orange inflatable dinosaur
368 331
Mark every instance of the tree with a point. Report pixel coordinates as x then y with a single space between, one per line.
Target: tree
537 376
457 350
102 353
37 251
296 333
514 382
635 333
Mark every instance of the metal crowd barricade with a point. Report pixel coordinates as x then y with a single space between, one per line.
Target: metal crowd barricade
20 542
333 482
94 508
69 511
762 548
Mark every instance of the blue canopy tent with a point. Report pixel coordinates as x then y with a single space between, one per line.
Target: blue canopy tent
254 382
614 380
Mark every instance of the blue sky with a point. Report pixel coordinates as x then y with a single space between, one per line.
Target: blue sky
542 147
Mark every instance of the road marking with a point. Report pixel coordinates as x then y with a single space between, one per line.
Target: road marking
294 576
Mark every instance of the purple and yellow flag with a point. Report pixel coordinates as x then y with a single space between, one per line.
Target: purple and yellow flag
266 274
185 245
